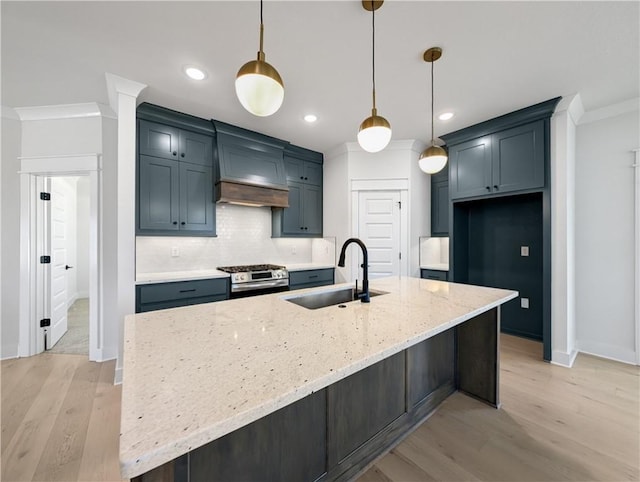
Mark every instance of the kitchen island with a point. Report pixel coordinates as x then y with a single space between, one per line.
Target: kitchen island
264 389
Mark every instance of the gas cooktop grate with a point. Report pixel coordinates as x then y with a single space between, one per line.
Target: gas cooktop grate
250 268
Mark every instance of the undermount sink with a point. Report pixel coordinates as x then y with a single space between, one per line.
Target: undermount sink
322 299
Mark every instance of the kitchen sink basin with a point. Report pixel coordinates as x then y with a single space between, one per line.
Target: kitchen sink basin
322 299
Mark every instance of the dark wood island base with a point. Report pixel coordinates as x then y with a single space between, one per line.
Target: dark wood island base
335 433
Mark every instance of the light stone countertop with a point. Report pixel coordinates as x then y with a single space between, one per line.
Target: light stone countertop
169 276
196 373
436 266
308 266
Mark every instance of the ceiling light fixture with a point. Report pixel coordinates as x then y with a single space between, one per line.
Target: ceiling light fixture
310 118
433 158
259 86
375 131
195 73
445 116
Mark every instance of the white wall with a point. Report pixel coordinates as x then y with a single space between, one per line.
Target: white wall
605 235
398 161
11 138
82 238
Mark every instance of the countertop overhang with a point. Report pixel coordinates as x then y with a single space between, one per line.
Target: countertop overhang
194 374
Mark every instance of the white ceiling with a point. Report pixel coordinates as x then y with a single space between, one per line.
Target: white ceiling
498 57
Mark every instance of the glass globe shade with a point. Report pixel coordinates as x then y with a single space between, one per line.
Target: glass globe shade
374 134
433 159
259 88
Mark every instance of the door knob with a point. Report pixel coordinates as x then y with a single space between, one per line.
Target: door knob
66 266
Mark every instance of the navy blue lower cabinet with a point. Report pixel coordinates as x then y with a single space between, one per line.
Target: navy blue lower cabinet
434 274
160 296
311 278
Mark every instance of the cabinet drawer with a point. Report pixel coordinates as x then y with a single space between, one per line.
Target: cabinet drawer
314 277
180 290
434 274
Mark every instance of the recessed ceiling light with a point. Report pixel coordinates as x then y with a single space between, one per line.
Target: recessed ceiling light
310 118
445 116
195 73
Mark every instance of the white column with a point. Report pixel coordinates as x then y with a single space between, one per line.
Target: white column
122 98
563 161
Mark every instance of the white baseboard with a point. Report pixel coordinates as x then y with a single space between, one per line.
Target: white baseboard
117 379
609 352
72 300
563 359
82 294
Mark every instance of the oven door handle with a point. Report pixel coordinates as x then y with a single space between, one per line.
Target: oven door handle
259 285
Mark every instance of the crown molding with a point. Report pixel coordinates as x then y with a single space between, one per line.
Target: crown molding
614 110
9 113
117 85
64 111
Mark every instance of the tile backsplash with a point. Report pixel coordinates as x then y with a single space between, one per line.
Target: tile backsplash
244 237
434 251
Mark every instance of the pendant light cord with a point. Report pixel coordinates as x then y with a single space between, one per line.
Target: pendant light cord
373 53
433 140
261 28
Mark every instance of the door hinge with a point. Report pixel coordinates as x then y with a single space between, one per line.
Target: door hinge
399 255
399 204
45 322
45 259
45 196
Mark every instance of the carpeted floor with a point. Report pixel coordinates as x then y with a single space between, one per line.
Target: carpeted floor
76 340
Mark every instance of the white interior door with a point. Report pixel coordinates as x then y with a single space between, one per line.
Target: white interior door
379 229
58 267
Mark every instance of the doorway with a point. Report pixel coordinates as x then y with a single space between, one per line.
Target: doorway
68 237
380 220
44 305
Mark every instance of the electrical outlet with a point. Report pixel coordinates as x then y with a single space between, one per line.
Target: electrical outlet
524 303
524 250
293 250
175 252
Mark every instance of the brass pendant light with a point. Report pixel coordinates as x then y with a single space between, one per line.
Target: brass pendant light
433 158
375 131
259 86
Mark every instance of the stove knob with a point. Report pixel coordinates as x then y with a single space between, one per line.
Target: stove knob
243 277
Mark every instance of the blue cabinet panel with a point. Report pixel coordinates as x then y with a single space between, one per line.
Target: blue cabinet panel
470 168
158 198
311 278
158 140
434 274
158 296
196 198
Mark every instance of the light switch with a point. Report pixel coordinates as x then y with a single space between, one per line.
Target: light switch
524 303
175 252
524 250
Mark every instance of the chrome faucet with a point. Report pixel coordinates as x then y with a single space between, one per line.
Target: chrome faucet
364 295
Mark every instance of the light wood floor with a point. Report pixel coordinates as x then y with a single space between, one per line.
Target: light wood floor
555 423
61 416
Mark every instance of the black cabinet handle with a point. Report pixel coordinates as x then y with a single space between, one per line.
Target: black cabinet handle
488 188
188 291
301 228
174 153
182 155
313 276
183 223
302 177
175 222
495 186
306 178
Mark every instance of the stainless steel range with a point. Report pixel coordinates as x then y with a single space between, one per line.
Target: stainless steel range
257 279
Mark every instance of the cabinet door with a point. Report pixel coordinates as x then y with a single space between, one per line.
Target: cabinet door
312 172
158 140
440 208
292 216
470 169
518 158
294 168
312 210
196 148
158 190
196 198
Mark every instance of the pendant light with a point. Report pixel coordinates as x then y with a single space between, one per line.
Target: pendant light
375 131
259 87
433 158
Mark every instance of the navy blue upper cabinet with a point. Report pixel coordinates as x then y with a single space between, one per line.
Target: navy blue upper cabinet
440 204
303 217
175 189
502 155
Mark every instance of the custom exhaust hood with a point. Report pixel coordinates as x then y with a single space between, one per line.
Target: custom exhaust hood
249 168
